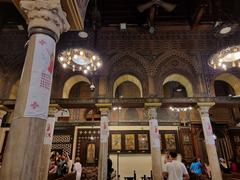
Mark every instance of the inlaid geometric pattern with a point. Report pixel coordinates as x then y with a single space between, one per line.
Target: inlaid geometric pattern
65 147
61 138
84 135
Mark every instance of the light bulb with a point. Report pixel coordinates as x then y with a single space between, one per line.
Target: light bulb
98 64
88 67
85 71
75 56
64 65
81 53
94 57
61 58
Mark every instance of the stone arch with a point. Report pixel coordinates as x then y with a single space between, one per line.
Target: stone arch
70 82
231 79
127 77
182 80
127 65
14 89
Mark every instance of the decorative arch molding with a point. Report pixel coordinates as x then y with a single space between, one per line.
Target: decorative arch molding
231 79
71 82
127 77
170 59
182 80
128 55
131 66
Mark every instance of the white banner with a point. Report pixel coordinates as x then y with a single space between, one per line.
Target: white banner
154 133
104 131
41 77
207 129
49 131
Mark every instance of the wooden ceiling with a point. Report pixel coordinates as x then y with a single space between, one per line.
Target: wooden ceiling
112 12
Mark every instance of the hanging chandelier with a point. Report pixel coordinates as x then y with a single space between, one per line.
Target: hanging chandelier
226 58
80 59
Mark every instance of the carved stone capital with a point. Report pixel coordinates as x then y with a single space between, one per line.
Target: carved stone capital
151 113
204 107
47 14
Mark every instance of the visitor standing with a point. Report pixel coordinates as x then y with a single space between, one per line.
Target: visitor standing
196 168
77 167
175 170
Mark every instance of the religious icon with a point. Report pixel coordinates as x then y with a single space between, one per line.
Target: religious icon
186 138
116 142
188 153
129 142
91 153
170 141
236 139
143 142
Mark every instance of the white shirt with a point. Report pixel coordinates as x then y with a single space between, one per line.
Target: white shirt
78 168
175 170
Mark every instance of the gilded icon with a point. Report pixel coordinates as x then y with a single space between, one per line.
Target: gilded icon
170 141
143 142
116 142
129 142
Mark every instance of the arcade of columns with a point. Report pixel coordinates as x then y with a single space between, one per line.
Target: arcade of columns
47 21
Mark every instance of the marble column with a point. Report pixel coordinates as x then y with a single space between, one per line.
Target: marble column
47 143
22 160
155 140
104 134
209 140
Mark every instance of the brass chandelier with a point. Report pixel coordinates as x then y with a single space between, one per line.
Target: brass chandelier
80 59
226 58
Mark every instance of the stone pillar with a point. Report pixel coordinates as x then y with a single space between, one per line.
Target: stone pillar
151 86
104 133
155 140
47 143
22 160
209 140
102 86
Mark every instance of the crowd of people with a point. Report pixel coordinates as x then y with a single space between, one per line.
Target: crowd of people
176 170
61 165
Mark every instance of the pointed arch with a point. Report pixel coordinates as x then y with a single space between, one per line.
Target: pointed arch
182 80
72 81
127 77
232 80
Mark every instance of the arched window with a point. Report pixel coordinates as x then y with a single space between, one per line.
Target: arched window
127 90
174 89
80 90
127 85
177 85
223 88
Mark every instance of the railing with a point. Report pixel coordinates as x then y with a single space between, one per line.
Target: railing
135 102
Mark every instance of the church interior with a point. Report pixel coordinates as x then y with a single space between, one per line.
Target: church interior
117 70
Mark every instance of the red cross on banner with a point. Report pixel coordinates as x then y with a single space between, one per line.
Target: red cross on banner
42 42
34 105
